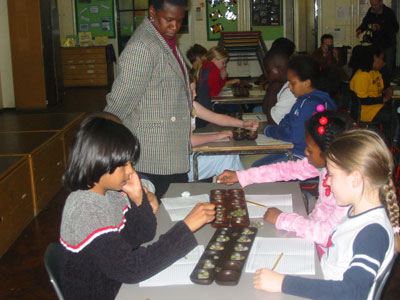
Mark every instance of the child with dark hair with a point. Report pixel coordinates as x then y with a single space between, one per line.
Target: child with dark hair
321 130
306 79
195 55
102 229
283 45
367 83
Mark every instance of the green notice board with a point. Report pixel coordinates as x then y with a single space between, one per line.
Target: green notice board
221 16
95 16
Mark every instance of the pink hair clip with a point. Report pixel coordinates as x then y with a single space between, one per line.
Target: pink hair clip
396 229
320 108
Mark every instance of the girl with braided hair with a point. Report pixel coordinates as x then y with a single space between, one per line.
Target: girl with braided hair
360 248
321 130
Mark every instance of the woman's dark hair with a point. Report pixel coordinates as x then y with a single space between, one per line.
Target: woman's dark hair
337 124
159 4
362 57
99 147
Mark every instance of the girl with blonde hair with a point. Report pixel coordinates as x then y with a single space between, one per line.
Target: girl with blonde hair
211 77
362 246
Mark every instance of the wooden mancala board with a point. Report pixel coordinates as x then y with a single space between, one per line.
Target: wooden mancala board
231 208
224 258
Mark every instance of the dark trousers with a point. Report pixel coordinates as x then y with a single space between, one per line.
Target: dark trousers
162 182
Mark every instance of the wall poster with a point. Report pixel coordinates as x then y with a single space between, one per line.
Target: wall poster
221 16
95 16
266 13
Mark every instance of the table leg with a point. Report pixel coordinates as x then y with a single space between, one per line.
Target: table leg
195 167
290 154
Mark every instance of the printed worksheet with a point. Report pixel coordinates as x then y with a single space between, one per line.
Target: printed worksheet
178 273
179 207
262 202
297 256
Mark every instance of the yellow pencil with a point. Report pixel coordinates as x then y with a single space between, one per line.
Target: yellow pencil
255 203
277 261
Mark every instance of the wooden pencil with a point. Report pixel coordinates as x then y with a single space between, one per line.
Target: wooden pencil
277 261
255 203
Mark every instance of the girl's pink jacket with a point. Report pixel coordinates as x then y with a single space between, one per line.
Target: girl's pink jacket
326 214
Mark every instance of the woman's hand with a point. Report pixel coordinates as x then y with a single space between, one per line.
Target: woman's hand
272 214
225 134
227 177
268 281
201 214
133 188
152 200
251 125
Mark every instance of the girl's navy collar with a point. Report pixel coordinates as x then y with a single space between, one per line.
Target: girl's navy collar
363 213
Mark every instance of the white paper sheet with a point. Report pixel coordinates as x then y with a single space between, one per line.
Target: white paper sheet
298 255
264 140
178 273
179 207
256 116
282 202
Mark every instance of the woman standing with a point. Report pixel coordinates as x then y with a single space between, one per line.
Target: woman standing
151 95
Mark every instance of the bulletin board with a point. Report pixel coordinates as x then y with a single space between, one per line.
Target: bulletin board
95 16
266 13
221 16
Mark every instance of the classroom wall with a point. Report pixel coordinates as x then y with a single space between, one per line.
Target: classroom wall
6 80
333 18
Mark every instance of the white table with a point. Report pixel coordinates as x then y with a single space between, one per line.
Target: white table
244 290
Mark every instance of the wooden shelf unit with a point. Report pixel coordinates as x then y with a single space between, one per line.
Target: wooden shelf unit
86 66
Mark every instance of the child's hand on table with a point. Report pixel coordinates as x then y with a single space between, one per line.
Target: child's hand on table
268 281
272 214
133 188
201 214
251 125
152 200
227 177
225 134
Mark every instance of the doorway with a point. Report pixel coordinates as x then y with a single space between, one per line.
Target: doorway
306 25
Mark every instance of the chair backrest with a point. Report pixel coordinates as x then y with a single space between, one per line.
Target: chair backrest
382 279
51 261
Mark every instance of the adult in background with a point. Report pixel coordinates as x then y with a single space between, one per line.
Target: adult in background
326 54
381 20
151 95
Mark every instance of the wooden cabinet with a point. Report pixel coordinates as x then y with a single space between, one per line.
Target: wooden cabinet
48 167
46 158
86 66
35 44
16 202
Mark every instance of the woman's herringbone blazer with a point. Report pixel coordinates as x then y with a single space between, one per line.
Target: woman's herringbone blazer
151 95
